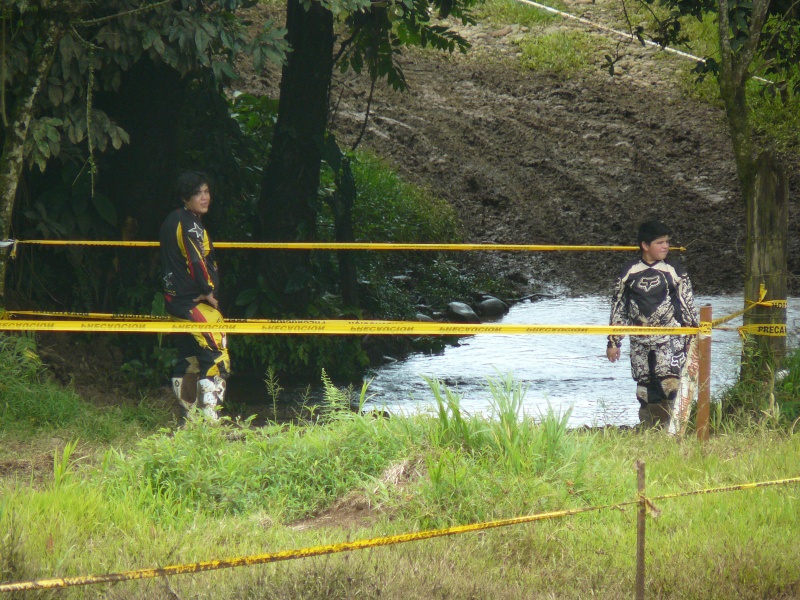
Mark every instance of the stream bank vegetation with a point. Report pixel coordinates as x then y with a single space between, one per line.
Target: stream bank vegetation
91 491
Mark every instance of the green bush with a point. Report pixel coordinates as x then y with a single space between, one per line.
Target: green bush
750 402
31 402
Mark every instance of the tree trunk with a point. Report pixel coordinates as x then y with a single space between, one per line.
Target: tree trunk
289 204
342 204
766 195
766 264
11 160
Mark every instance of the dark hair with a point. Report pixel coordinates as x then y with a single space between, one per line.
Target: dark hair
189 183
652 230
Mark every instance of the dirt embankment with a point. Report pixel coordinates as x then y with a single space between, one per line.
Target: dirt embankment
527 157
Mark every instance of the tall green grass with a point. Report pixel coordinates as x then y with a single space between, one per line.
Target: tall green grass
209 491
564 53
32 404
505 12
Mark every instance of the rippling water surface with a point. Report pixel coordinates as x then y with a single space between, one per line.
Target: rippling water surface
561 371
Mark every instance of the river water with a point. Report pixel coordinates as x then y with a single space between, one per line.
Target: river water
558 371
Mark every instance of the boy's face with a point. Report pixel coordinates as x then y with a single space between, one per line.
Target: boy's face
656 250
200 201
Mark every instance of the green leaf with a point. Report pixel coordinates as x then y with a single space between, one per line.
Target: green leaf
158 307
55 147
52 133
43 147
158 45
201 40
55 94
148 38
80 203
247 297
105 208
84 222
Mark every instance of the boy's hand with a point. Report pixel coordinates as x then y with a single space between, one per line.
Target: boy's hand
613 354
208 299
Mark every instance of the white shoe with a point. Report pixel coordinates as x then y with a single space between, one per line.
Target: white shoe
210 394
178 390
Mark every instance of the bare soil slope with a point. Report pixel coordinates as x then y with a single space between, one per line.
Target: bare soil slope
527 157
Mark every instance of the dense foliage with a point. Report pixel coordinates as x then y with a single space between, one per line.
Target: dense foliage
95 44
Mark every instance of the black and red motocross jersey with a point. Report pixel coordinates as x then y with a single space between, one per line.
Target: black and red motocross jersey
654 295
188 264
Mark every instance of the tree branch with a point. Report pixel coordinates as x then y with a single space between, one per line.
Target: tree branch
366 115
741 70
99 20
726 55
347 42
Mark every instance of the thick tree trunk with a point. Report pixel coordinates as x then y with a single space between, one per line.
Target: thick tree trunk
11 160
766 264
765 193
342 204
289 202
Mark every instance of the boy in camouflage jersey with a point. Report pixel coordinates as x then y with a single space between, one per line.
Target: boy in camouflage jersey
655 292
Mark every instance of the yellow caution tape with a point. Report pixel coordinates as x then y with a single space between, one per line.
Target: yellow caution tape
729 488
118 316
772 303
257 559
350 246
86 315
776 303
338 327
764 329
762 293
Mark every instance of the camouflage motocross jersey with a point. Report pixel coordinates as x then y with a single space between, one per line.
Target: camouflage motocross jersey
653 295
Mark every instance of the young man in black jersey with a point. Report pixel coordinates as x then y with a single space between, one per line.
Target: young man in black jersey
191 287
655 292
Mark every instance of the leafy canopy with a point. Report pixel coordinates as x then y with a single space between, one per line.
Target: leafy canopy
376 32
97 42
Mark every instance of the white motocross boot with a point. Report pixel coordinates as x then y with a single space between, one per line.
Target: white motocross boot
181 387
210 393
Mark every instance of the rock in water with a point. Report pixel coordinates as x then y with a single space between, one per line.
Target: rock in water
491 307
461 313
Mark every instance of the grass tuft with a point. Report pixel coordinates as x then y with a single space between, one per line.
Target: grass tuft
563 53
502 12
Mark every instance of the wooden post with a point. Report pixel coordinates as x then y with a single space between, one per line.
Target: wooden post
704 375
641 522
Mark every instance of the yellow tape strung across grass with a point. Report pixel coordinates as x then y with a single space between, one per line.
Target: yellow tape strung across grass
347 246
339 327
258 559
212 565
729 488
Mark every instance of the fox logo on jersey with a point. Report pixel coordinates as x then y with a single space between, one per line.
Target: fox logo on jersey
648 283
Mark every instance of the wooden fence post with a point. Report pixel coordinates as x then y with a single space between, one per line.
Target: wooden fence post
704 376
641 522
